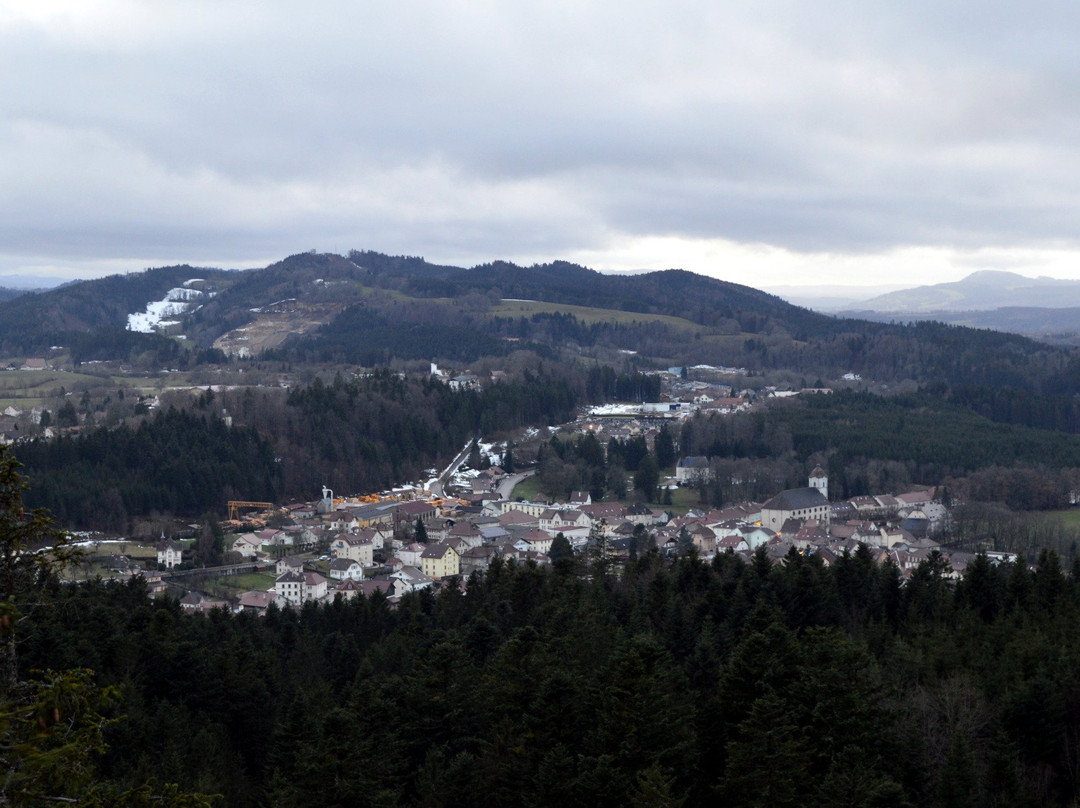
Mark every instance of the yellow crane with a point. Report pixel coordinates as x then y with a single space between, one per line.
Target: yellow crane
236 504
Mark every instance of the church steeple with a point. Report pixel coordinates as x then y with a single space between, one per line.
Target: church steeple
820 480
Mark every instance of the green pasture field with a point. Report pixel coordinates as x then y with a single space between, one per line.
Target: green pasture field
236 585
137 550
682 499
26 389
250 580
1070 517
526 489
587 314
31 388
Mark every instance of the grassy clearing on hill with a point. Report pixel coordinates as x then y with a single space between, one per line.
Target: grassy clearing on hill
134 550
1070 517
586 314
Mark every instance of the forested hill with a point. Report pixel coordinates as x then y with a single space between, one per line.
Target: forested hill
672 292
36 320
372 309
39 319
402 307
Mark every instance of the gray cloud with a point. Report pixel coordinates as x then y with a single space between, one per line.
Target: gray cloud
240 129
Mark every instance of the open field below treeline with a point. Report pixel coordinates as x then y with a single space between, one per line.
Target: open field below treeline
682 499
26 389
1069 516
589 315
232 586
31 388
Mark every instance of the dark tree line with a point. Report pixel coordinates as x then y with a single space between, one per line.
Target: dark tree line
734 682
177 462
363 434
874 444
580 463
373 336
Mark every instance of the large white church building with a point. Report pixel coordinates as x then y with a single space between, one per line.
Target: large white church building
811 502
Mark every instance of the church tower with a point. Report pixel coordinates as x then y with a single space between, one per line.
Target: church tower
326 504
820 480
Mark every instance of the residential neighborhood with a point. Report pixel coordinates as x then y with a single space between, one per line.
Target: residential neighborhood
345 546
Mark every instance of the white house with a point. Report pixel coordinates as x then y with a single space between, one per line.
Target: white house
297 587
531 508
468 533
733 542
247 545
342 568
410 554
169 552
289 564
565 521
354 548
410 579
537 540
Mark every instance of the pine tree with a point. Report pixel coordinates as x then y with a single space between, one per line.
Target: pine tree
666 452
768 763
52 726
647 476
560 548
23 567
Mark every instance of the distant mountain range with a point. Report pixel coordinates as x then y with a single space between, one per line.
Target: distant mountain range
981 291
1045 308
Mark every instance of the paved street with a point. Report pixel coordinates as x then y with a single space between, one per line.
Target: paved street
506 487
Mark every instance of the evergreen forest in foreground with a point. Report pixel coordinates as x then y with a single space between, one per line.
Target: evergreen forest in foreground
695 684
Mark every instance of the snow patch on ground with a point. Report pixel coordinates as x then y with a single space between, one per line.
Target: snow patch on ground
494 452
463 478
176 302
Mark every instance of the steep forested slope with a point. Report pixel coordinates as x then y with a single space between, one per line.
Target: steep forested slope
174 462
361 435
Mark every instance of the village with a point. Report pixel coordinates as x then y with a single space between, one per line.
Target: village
439 533
413 539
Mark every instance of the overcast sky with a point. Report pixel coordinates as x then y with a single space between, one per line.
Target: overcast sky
766 142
